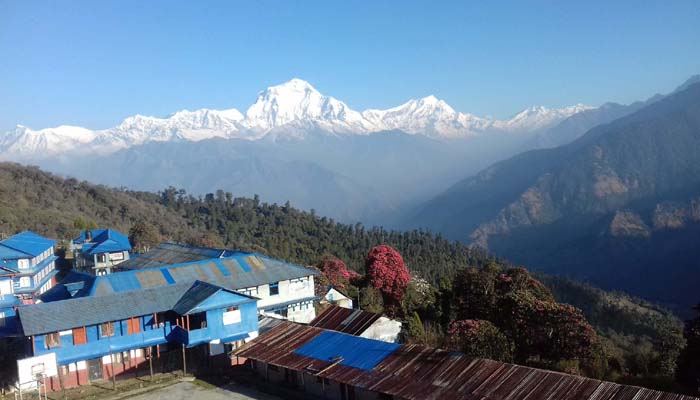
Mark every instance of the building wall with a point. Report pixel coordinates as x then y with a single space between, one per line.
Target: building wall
6 286
151 334
384 329
311 384
289 291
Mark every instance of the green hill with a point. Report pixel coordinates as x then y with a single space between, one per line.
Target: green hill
618 207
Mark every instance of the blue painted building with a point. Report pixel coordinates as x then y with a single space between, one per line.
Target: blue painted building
282 288
99 251
27 269
92 336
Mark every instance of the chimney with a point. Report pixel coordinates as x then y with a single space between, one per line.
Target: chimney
88 236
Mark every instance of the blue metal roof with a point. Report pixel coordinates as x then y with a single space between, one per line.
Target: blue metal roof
26 244
67 314
237 271
351 351
102 241
169 253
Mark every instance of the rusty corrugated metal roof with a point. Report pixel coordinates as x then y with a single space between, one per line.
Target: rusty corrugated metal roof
420 373
346 320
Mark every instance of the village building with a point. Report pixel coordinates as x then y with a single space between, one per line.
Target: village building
358 323
283 289
76 341
100 251
338 366
27 269
333 296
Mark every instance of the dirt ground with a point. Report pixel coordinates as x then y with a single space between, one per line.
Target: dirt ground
202 391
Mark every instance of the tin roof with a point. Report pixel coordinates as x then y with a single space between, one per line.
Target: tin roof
237 271
102 241
346 320
26 244
67 314
416 372
173 253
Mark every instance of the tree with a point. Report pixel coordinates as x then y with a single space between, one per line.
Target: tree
545 329
371 300
421 298
143 236
479 338
689 362
415 330
387 273
475 294
336 272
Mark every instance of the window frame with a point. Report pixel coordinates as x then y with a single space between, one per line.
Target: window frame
52 340
276 286
110 324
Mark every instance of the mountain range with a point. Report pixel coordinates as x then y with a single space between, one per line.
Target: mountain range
292 144
619 206
284 111
606 194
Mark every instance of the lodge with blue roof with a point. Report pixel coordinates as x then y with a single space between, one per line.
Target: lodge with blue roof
91 337
99 251
283 288
205 299
27 270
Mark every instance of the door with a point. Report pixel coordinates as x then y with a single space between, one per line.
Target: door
94 369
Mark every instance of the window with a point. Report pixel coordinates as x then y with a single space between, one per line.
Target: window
79 336
232 315
133 325
53 340
274 289
107 329
283 312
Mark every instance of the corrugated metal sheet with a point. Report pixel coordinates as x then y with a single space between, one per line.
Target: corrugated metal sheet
351 351
346 320
231 273
420 373
71 313
23 245
172 253
103 241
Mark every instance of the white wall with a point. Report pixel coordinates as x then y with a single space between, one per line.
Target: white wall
384 329
6 286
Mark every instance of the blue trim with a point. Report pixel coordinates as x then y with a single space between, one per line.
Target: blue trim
33 289
167 276
38 267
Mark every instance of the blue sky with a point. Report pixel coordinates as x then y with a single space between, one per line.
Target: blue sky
93 63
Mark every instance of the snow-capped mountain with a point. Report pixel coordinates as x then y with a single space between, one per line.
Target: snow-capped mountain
429 116
287 111
538 118
297 100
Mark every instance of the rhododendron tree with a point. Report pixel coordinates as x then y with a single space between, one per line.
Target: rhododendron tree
479 338
387 272
336 272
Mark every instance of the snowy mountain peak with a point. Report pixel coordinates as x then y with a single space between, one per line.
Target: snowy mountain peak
289 110
297 100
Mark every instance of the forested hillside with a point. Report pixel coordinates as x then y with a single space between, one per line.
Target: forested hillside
636 333
617 207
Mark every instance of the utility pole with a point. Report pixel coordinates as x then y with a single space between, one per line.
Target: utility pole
150 360
114 376
184 361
